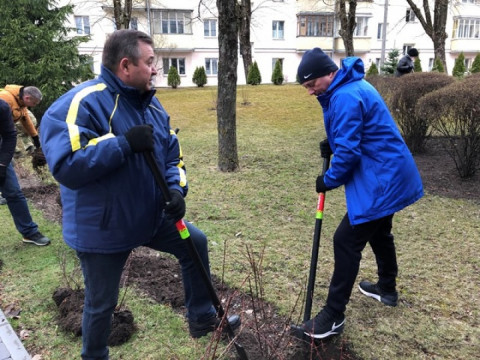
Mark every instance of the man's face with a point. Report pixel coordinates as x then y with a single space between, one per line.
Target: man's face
30 101
319 85
141 76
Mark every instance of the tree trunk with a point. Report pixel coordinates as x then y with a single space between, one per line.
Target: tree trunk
121 15
434 29
245 17
227 85
347 24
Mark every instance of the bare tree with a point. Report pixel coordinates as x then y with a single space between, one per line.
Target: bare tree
122 13
434 29
244 21
347 24
227 84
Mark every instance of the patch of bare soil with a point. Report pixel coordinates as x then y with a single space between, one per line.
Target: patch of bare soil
264 333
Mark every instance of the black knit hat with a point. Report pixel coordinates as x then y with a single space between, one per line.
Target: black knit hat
315 63
412 52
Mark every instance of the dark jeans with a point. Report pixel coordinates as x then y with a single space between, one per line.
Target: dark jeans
349 242
17 204
102 273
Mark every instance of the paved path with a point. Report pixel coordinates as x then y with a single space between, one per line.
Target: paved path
11 348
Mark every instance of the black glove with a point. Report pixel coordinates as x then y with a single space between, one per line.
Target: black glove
175 209
321 187
36 141
140 138
325 149
3 174
38 158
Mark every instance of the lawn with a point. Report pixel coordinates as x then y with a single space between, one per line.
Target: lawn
268 205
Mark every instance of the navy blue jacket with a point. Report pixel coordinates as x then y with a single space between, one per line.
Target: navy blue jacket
109 197
370 157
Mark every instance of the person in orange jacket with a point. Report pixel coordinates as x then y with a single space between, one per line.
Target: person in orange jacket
20 98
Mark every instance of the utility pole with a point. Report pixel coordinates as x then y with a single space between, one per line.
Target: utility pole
384 33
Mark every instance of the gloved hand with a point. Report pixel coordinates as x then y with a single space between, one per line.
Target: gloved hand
3 174
140 138
321 187
325 150
175 209
38 158
36 141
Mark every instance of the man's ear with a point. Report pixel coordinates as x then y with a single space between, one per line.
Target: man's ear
123 66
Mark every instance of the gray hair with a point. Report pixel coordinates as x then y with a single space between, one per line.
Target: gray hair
33 91
121 44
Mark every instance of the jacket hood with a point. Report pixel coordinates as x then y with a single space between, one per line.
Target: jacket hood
352 69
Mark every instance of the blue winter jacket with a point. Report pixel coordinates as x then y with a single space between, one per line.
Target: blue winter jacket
109 197
370 157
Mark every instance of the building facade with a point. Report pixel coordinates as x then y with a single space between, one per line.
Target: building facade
186 33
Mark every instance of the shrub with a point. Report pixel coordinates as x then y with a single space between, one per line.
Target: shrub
277 75
459 68
408 90
173 78
372 70
453 111
390 66
385 85
417 65
438 66
475 65
254 77
199 76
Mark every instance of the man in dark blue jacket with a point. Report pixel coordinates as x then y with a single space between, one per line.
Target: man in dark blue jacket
94 137
371 160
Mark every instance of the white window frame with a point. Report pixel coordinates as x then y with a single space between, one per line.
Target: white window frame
177 62
361 30
278 29
172 22
467 28
82 23
211 66
210 28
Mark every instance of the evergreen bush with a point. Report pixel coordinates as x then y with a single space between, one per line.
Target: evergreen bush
408 90
417 66
372 70
438 66
459 68
173 78
277 75
254 77
390 65
452 111
475 65
199 76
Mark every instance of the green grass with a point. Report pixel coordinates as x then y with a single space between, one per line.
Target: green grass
269 204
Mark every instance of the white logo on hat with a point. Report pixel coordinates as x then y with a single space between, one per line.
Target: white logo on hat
307 76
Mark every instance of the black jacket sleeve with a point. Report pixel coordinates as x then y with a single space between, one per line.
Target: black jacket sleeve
8 134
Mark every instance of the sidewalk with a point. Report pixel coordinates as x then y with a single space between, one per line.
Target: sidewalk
11 348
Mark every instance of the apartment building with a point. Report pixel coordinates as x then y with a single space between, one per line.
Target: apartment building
186 33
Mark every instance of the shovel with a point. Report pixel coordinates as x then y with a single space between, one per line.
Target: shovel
185 235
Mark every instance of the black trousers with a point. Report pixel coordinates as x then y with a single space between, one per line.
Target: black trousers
348 244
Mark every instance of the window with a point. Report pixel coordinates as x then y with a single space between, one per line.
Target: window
134 23
362 26
179 63
211 66
407 47
172 22
315 25
83 25
410 16
466 28
380 31
430 63
210 28
277 29
274 61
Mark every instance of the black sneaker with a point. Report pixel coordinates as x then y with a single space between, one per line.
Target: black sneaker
321 326
38 239
199 329
373 290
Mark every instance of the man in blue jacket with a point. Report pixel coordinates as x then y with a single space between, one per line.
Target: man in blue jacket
371 160
94 137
